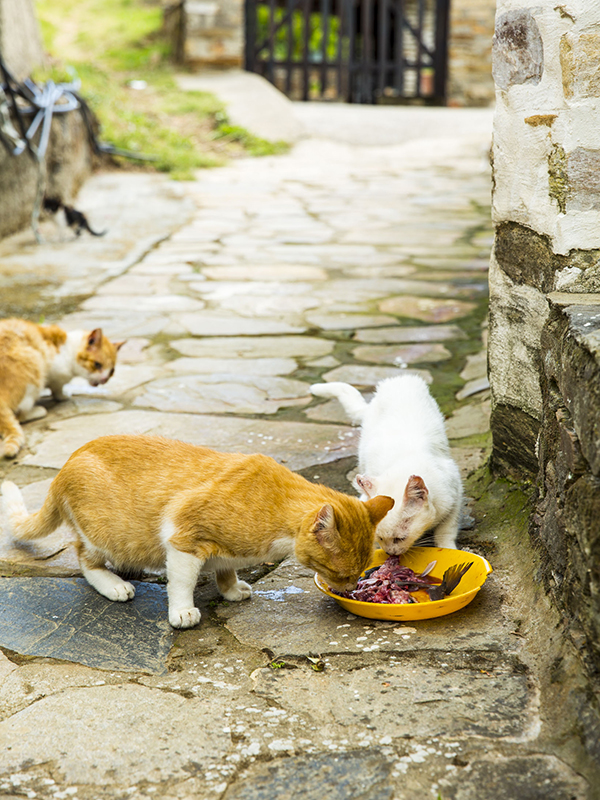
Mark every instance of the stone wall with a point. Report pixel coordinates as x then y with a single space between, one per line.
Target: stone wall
470 81
566 525
213 33
544 345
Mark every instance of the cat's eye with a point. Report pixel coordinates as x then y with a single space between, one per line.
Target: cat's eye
97 365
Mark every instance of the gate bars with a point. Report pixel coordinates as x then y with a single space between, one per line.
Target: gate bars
359 51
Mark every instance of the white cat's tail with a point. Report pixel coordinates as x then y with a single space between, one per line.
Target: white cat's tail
26 526
350 398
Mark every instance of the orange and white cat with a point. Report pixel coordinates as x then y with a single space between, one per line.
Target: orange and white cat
145 502
37 357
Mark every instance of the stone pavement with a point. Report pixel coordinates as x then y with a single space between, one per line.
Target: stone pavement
338 261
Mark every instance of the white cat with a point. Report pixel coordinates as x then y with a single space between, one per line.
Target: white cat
404 453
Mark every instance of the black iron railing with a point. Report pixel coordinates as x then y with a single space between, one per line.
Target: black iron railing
361 51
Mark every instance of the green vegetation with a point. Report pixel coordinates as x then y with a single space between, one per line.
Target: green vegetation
112 44
292 30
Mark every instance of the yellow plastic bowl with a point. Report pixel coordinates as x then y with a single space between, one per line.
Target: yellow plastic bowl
417 559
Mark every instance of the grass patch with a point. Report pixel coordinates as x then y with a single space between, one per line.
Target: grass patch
112 44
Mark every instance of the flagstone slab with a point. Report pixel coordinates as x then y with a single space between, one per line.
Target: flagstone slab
117 736
473 387
64 618
370 376
523 776
401 333
429 288
221 290
476 366
163 304
167 265
288 615
331 411
427 309
272 272
341 321
354 775
468 458
118 325
470 263
297 444
400 356
388 700
388 269
255 347
136 285
126 377
223 393
275 306
82 404
209 323
469 420
232 366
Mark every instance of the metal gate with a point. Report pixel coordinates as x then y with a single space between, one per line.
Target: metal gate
359 51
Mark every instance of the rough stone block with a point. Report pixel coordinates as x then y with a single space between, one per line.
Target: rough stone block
525 256
517 315
517 50
68 620
338 776
514 436
583 175
580 64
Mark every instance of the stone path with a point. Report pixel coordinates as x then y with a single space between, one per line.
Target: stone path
338 261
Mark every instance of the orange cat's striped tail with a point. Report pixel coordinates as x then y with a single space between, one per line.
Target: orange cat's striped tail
29 526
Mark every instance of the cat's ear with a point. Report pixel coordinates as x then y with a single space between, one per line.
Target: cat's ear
365 484
119 345
94 338
416 492
378 507
324 525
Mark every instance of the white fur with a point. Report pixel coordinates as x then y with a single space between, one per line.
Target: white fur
183 570
14 505
65 367
108 584
403 439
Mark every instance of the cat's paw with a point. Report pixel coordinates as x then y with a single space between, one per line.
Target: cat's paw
37 412
184 617
12 445
121 592
241 591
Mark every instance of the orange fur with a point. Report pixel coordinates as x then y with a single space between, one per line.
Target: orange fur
144 501
34 357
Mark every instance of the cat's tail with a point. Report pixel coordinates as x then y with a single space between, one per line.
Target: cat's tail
26 526
14 438
350 398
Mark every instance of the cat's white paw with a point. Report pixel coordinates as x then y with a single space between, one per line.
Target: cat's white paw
37 412
184 617
241 591
121 592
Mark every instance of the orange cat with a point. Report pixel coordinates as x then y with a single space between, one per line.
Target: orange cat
35 357
148 502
